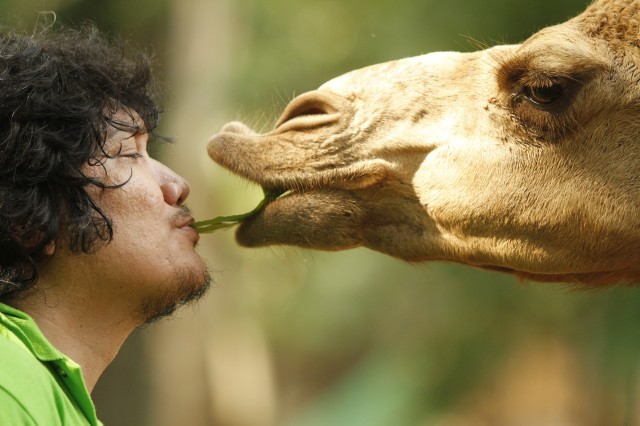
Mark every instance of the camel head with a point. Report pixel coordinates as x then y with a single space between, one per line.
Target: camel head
520 158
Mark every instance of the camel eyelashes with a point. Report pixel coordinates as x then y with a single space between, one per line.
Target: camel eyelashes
540 89
542 103
543 96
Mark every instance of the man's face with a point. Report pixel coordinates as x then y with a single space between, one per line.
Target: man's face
151 263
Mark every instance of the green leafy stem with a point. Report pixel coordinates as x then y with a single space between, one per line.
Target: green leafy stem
222 222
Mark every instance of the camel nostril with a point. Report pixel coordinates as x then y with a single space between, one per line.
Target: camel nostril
311 109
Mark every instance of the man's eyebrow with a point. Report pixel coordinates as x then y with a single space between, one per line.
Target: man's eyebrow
113 132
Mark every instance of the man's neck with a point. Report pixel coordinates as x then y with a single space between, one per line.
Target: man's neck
77 329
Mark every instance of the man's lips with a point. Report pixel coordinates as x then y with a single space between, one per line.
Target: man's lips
183 220
182 217
186 222
193 234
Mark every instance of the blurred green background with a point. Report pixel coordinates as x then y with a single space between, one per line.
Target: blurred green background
290 337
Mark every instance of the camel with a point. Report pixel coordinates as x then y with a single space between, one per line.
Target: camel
518 158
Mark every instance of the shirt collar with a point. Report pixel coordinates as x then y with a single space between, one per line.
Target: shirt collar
29 334
24 328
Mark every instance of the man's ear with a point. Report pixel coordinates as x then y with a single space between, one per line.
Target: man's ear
30 240
50 249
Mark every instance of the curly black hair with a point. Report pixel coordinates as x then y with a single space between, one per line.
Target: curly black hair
59 92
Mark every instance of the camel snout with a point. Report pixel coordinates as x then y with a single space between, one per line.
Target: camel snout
237 127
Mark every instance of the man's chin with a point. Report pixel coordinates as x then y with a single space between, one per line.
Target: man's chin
188 288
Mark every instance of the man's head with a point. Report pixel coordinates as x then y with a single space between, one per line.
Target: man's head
76 112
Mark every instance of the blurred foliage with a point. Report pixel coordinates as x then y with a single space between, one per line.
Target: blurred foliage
314 41
357 338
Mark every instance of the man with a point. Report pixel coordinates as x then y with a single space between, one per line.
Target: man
94 237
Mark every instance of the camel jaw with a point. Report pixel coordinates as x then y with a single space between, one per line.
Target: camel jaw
322 219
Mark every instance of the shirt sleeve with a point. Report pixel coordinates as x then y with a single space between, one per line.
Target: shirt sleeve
13 412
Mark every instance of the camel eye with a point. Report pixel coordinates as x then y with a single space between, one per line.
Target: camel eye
543 96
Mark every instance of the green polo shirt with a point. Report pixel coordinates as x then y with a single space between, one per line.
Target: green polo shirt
38 384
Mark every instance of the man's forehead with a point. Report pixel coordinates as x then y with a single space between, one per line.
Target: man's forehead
123 123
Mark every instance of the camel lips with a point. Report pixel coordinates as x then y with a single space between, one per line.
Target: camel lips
222 222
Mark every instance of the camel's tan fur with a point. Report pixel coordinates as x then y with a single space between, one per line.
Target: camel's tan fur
447 156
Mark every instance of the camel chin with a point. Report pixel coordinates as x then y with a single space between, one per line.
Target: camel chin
325 220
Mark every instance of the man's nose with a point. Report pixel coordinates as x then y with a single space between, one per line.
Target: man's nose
175 188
